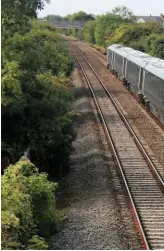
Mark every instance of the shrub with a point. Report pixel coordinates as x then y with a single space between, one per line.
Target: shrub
28 207
89 32
128 33
37 103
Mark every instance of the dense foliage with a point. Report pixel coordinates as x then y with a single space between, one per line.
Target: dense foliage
36 118
52 18
16 14
36 98
28 207
118 26
81 15
78 16
88 32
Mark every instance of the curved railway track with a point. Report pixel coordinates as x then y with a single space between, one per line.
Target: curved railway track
143 183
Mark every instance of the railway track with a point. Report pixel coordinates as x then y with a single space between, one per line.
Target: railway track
101 59
143 183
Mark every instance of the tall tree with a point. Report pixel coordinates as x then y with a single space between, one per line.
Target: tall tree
52 18
16 13
123 12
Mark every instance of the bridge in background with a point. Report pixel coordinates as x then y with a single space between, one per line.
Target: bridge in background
77 25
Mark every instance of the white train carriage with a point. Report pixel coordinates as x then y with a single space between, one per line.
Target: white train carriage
135 63
142 74
110 55
153 88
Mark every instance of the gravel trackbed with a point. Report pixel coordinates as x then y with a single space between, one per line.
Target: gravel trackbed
91 198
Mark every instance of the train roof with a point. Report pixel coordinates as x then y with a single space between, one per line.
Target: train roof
114 46
140 58
156 68
126 52
123 51
144 60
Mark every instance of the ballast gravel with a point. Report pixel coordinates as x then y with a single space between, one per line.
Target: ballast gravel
148 130
91 197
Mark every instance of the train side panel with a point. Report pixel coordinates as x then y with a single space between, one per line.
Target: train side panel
111 55
133 76
119 65
110 59
142 74
154 92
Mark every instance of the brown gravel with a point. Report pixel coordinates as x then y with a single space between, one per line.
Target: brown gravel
140 120
92 200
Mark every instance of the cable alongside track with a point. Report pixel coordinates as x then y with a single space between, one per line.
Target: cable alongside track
143 183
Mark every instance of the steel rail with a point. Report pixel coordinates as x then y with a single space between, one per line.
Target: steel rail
130 129
135 97
110 140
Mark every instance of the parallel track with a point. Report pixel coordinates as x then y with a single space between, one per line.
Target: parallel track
142 181
102 57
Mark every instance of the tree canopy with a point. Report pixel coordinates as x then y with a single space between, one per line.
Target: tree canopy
37 119
123 12
36 98
118 26
29 213
52 18
81 16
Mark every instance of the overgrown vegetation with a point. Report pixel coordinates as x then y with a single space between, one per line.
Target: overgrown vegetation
80 15
36 116
28 208
118 26
36 98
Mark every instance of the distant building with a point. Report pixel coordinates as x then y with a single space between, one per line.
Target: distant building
144 19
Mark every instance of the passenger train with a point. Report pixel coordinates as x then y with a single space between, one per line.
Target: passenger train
141 73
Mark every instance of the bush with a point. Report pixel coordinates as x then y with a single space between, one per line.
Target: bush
118 26
105 26
155 45
28 207
37 100
131 33
89 32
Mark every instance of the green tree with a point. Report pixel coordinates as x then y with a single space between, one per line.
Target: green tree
127 33
79 16
46 111
123 12
36 106
105 27
16 14
155 45
67 17
89 32
53 18
28 207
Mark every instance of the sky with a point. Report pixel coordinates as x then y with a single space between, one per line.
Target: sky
139 7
